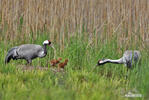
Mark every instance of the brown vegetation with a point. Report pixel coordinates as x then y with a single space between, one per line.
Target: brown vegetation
65 18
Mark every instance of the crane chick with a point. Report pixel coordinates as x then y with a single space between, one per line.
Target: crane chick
62 65
129 57
53 62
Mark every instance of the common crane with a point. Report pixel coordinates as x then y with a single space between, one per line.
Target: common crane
27 52
129 58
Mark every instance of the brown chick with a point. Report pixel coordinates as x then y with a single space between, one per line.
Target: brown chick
63 64
66 61
53 62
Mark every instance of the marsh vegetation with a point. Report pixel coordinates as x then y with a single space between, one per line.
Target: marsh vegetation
82 31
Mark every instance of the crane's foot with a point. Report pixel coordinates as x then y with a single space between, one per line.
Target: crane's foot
29 62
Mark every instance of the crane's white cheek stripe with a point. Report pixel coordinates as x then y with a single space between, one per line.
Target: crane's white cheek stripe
101 61
46 42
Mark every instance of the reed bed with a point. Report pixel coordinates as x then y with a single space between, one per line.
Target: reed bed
95 19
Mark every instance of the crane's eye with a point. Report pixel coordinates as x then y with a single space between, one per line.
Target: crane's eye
49 41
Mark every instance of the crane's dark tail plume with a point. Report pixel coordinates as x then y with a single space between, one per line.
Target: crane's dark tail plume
9 55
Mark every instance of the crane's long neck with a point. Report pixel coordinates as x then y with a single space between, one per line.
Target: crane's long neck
45 48
118 61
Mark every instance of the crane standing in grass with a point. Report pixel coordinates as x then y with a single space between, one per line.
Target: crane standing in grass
129 58
27 52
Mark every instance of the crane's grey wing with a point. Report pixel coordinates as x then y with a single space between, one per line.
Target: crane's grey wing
11 54
127 58
29 51
137 55
127 55
131 57
12 49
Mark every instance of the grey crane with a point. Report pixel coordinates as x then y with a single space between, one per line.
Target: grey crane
27 52
129 58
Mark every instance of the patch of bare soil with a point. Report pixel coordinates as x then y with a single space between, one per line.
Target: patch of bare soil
31 68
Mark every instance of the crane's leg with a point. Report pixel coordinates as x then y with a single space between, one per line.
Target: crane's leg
29 61
127 74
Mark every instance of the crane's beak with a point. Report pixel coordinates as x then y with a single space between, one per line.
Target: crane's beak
53 49
51 45
97 65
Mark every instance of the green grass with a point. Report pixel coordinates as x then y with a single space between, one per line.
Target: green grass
79 82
